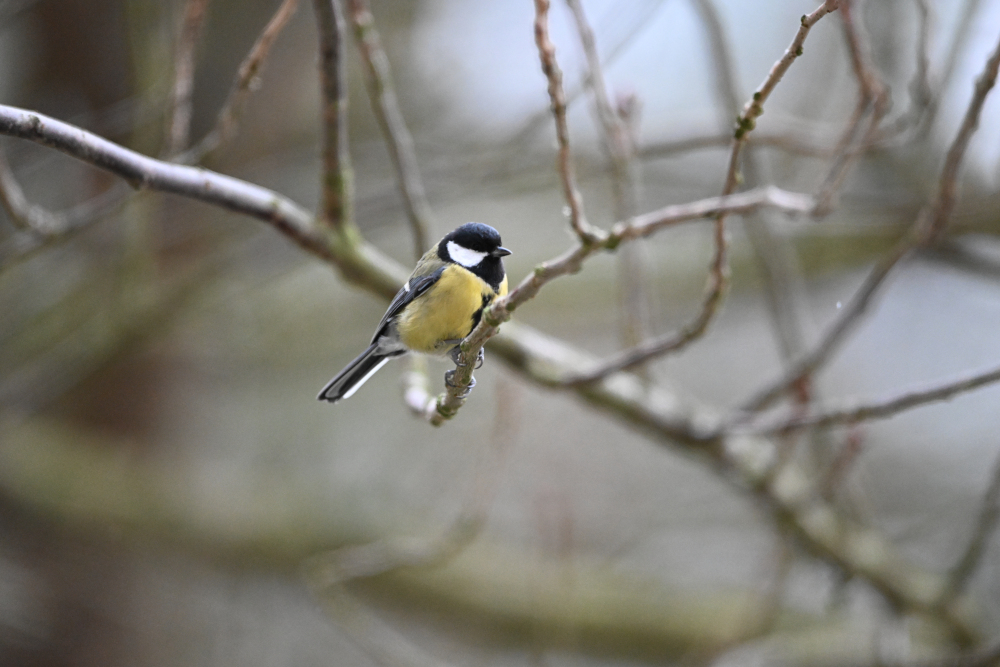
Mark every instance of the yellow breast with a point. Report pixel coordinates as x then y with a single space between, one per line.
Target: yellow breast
445 311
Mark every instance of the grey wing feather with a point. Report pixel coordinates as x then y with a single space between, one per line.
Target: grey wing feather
404 297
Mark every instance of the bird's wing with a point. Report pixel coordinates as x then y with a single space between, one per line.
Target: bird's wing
413 288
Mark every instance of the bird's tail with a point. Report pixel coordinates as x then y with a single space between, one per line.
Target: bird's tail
354 375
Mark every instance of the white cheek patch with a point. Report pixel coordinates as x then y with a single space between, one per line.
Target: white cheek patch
464 256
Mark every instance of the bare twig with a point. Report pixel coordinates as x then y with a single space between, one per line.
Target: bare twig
747 120
745 124
872 88
850 317
863 410
39 226
789 496
948 185
382 94
985 526
959 40
928 228
619 141
727 88
873 103
675 341
649 349
640 15
920 87
776 257
448 404
146 172
789 142
921 92
246 81
587 233
179 110
615 132
636 309
741 203
337 183
841 464
23 213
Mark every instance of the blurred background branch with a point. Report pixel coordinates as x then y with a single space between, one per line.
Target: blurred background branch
158 356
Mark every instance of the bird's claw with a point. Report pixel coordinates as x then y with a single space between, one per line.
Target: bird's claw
456 356
449 380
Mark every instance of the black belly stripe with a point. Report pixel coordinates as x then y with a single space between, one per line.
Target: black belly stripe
476 316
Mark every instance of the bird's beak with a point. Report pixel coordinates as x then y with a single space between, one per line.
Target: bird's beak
500 252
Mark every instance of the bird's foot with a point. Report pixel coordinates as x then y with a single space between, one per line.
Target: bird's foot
449 379
456 354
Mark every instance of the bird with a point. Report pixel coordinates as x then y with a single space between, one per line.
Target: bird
438 306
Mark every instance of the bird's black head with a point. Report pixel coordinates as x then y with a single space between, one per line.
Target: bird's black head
478 248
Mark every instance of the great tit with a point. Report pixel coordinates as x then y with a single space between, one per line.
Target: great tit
437 308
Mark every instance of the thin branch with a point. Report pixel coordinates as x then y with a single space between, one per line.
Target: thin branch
959 40
448 404
948 186
727 87
921 92
873 103
788 142
179 110
928 228
615 132
841 464
23 213
778 264
852 412
859 49
587 233
920 87
986 523
850 317
744 460
382 94
40 227
247 78
741 203
146 172
764 198
337 183
654 347
747 120
639 19
236 195
619 141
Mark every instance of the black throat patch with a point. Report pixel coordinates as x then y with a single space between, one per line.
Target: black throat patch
491 271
